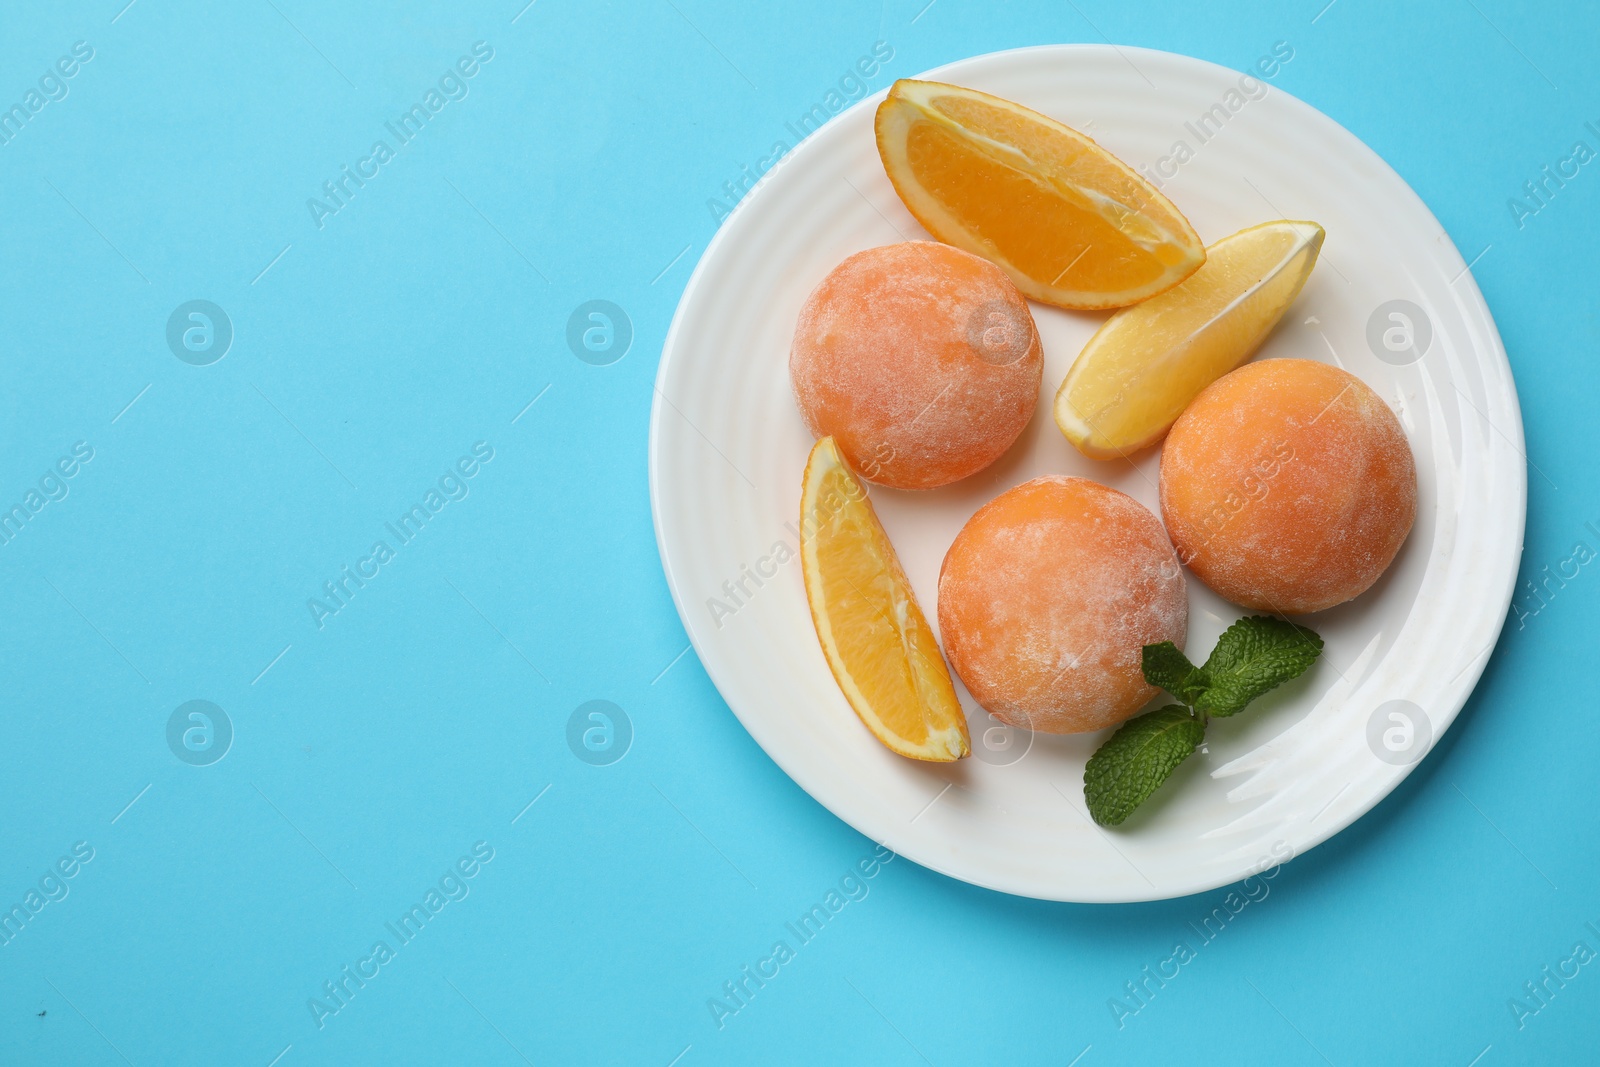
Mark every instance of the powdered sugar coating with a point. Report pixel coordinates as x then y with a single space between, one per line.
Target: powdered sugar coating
920 359
1288 486
1047 598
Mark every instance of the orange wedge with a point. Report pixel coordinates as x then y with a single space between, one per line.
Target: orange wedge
1143 367
876 640
1072 224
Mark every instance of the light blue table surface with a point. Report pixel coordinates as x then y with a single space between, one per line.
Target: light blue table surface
383 750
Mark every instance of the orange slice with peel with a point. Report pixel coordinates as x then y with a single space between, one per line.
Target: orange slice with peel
1147 363
1072 224
877 641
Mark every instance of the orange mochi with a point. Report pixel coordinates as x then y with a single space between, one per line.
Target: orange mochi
920 360
1288 486
1047 598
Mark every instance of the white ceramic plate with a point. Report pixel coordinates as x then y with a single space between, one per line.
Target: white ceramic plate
727 448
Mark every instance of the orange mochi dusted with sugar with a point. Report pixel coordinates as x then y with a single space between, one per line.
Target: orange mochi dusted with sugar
1047 598
1288 486
920 360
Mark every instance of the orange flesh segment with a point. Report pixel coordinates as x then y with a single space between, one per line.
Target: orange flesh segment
1048 234
1147 363
1073 225
877 642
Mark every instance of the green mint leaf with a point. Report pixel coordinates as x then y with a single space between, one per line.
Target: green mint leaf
1136 760
1254 655
1166 667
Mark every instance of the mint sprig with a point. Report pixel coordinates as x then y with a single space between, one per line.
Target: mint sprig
1254 655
